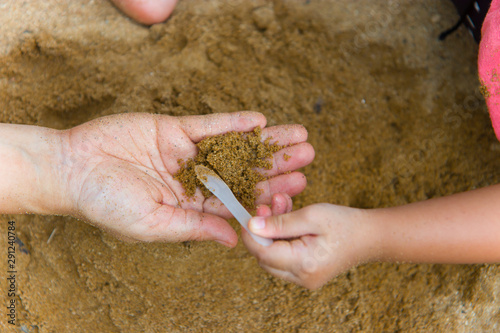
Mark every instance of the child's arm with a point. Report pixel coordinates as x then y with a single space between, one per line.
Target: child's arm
329 239
461 229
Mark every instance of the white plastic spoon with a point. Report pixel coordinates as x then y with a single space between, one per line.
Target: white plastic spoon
219 188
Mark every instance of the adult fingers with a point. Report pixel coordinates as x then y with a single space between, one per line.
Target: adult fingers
147 11
290 159
171 224
284 135
201 127
290 184
281 203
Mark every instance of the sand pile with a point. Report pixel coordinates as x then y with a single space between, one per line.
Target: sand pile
395 116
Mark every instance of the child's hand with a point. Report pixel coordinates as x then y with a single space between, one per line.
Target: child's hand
317 242
117 172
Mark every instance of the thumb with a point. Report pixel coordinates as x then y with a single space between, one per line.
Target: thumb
282 226
177 225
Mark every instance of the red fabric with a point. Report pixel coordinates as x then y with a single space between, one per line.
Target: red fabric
489 63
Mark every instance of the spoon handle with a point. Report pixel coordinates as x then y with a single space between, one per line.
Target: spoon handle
220 189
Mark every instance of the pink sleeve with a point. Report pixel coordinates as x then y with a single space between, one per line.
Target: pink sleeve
489 63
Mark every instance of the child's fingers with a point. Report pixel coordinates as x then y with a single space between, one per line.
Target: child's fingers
263 210
290 225
285 275
278 255
281 255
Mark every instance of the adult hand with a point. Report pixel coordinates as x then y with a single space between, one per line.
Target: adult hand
118 173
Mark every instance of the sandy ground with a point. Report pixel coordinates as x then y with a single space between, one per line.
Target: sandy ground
395 116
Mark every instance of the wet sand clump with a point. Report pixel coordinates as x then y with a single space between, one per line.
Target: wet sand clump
234 157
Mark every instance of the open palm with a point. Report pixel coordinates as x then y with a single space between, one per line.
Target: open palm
120 173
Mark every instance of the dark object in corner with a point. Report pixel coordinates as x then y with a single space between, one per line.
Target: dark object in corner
472 14
22 247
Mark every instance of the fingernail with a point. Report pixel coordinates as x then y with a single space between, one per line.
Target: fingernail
258 223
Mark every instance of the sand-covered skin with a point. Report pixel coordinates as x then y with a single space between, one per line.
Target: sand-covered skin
234 157
395 116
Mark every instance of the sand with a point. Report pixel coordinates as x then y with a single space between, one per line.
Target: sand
234 157
395 116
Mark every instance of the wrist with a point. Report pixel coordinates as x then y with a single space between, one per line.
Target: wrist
387 228
361 237
31 170
371 235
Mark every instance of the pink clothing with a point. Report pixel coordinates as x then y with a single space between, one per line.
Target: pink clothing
489 63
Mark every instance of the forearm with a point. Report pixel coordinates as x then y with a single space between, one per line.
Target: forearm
462 228
30 168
